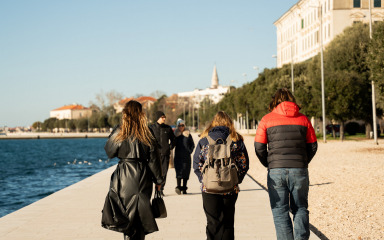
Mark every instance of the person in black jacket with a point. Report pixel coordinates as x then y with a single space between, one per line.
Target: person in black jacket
220 208
165 138
127 207
184 146
285 143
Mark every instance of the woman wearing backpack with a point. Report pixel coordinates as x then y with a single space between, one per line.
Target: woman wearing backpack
219 208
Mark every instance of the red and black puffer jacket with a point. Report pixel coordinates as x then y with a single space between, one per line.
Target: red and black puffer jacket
285 138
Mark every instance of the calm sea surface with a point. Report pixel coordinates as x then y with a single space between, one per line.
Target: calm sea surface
33 169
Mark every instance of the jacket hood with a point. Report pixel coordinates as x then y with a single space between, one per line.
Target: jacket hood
289 109
219 132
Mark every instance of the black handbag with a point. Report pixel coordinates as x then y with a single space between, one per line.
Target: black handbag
158 206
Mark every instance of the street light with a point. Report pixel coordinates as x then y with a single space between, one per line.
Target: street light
245 77
275 56
257 69
318 6
292 83
373 84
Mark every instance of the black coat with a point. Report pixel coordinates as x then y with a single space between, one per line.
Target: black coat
184 146
164 137
131 185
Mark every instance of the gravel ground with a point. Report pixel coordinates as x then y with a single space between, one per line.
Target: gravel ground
346 195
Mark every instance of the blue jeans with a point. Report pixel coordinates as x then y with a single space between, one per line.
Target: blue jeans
288 191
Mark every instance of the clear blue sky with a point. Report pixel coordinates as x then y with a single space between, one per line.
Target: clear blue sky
54 53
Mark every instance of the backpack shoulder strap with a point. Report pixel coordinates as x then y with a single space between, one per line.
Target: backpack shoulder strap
210 140
229 140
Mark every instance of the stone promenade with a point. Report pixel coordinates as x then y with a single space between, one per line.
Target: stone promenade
74 213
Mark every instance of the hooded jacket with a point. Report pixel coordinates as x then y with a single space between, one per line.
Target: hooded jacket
285 138
131 185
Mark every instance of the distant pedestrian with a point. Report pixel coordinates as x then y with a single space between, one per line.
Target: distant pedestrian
220 208
165 138
184 146
127 207
285 143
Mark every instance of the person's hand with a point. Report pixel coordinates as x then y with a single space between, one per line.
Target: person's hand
158 187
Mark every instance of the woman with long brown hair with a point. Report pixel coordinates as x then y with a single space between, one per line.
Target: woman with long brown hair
127 207
220 207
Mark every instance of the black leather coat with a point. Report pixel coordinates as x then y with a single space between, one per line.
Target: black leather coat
131 185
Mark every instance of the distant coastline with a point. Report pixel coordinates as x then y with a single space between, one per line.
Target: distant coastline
45 135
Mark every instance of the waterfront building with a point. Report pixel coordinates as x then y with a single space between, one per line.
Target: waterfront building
73 111
145 101
214 93
300 29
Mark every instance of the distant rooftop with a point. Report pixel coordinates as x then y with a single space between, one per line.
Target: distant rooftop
70 107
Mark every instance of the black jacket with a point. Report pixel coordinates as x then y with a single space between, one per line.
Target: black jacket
131 185
184 146
164 137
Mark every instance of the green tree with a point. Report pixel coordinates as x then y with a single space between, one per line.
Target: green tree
376 61
37 126
347 76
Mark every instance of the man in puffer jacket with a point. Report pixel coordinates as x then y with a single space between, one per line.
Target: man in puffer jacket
285 143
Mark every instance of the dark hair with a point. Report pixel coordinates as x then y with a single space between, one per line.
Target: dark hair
134 124
280 96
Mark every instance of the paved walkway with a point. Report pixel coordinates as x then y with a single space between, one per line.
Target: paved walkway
75 212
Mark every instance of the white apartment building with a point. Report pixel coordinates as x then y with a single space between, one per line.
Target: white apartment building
73 111
300 29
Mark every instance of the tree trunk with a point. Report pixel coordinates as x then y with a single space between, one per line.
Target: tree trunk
342 131
333 132
368 129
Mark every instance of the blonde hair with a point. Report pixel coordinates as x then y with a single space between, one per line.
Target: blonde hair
133 124
223 119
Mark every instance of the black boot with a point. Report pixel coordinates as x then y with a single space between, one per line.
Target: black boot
185 186
178 190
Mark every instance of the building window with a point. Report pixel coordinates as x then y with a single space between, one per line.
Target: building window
356 3
302 23
377 3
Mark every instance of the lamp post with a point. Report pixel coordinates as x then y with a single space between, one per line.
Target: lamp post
257 69
292 82
275 56
318 6
245 77
373 83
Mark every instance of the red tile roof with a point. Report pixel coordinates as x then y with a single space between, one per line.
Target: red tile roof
144 98
70 107
125 100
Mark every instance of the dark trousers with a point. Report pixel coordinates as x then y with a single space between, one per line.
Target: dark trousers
164 168
220 213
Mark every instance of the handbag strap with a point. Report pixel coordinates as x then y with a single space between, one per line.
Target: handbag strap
157 194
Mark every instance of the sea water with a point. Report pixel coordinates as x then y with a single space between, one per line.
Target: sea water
33 169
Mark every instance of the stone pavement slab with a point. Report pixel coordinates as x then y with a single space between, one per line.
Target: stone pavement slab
75 213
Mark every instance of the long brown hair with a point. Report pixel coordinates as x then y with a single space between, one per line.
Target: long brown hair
133 124
281 95
223 119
